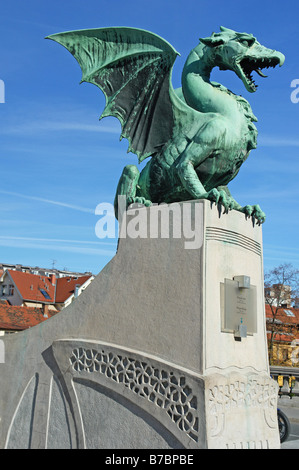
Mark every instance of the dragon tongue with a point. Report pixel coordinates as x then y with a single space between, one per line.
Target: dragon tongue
261 74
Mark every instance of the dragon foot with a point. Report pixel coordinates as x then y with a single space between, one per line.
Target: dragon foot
138 200
254 211
221 197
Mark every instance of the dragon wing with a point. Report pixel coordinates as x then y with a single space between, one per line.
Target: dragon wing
133 69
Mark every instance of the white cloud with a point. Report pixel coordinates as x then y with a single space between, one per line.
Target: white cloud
59 245
56 126
273 141
49 201
54 240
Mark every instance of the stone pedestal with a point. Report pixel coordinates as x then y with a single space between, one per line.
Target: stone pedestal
151 355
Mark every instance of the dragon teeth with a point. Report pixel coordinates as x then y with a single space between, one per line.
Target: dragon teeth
261 74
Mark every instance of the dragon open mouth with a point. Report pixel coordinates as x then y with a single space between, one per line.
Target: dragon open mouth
250 64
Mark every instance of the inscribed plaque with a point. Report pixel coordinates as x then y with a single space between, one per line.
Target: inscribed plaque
238 307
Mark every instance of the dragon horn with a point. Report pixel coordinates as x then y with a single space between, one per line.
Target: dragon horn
222 28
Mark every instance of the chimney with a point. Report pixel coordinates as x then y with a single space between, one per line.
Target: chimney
76 292
45 310
53 279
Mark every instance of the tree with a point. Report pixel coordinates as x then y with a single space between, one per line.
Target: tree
281 291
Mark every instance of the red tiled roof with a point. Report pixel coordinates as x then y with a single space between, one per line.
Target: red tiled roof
280 337
66 287
33 287
292 317
21 318
286 317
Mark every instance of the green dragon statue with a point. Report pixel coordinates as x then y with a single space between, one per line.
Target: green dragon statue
197 136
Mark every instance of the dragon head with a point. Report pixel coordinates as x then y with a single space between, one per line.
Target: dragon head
241 53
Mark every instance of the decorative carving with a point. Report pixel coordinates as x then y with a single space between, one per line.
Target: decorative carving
254 392
241 393
260 444
233 238
165 389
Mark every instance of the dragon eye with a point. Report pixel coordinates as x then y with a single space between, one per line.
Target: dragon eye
246 42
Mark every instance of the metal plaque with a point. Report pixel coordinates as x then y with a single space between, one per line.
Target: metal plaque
239 305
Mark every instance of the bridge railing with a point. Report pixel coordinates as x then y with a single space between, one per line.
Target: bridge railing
287 378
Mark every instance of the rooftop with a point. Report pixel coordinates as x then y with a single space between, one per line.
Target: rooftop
21 318
66 287
285 315
33 287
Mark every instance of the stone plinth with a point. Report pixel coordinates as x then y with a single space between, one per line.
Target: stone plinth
142 358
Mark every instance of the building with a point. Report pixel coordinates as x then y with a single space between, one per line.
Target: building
31 290
16 318
68 288
41 271
28 290
283 335
35 297
278 295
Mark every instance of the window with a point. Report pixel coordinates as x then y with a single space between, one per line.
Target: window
4 291
289 313
11 289
45 294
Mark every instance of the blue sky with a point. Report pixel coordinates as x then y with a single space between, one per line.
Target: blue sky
58 162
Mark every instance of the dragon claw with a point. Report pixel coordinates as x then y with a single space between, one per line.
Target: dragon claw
214 195
256 212
220 197
138 200
248 210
